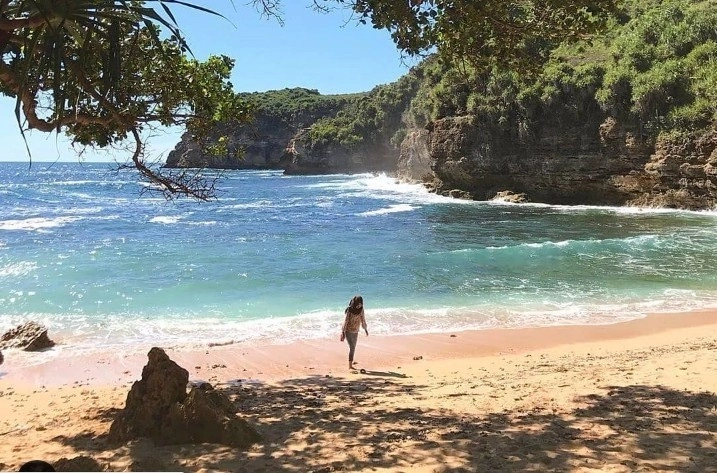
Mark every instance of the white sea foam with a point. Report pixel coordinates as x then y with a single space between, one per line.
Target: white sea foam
208 222
257 204
600 208
78 334
633 241
81 183
166 219
388 210
37 223
548 243
21 268
81 210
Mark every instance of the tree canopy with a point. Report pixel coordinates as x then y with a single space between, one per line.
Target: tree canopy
105 71
482 32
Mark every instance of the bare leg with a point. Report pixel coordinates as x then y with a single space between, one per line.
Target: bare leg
351 338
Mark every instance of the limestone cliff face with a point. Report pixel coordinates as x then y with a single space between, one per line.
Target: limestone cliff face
306 158
414 162
684 173
268 143
257 145
598 161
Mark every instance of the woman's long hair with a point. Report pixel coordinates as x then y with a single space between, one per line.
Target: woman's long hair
355 306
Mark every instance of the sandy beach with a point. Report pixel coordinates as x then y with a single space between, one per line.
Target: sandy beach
634 396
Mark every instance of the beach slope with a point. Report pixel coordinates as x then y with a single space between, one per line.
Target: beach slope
636 396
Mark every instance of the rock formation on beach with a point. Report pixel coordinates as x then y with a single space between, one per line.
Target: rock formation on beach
159 407
29 336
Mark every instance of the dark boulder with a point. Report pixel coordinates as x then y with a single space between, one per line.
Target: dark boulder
29 336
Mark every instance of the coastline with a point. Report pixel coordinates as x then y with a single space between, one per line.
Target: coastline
268 362
622 397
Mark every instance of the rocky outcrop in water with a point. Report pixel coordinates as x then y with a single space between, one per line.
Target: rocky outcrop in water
158 407
414 161
29 336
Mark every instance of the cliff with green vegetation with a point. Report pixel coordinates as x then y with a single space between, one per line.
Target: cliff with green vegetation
629 118
261 143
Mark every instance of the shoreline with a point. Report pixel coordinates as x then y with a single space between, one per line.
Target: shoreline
633 396
252 362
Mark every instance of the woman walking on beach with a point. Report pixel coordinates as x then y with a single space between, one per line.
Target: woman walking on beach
354 320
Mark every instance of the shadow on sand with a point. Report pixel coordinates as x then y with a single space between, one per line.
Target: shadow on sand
306 421
385 374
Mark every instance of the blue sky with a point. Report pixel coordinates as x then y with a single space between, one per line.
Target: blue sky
328 52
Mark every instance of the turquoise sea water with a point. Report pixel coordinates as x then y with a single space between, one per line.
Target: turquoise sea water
276 258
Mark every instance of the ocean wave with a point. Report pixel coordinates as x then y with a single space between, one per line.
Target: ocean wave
201 224
634 241
600 208
166 219
127 333
90 182
388 210
21 268
37 223
257 204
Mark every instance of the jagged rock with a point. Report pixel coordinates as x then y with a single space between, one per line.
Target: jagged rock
36 465
1 358
306 157
459 194
261 144
414 162
512 197
207 416
163 384
79 463
29 336
159 408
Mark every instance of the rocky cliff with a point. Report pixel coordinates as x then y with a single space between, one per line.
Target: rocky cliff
304 157
260 144
264 144
600 163
599 160
277 138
